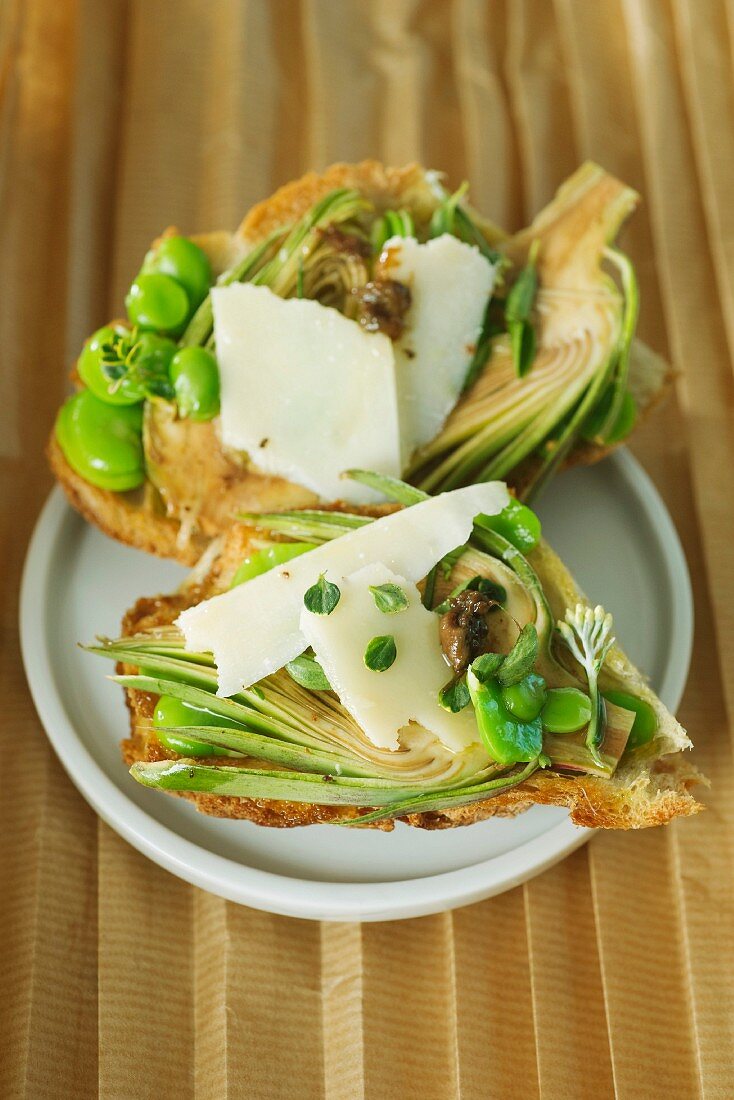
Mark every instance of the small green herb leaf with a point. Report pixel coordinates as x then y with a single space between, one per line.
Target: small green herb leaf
380 653
307 672
488 588
389 598
485 666
322 597
476 584
454 695
521 658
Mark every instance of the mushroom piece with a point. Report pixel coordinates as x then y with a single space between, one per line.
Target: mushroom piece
382 306
463 628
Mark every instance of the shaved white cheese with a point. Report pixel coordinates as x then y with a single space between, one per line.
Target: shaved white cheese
254 629
305 391
450 284
383 702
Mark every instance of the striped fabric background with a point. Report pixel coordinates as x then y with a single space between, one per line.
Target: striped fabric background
611 974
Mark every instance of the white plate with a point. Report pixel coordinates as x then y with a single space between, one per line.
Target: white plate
608 524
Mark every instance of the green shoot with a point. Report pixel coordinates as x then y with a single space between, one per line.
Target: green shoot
518 307
588 635
631 293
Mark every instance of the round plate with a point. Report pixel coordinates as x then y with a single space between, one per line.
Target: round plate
610 527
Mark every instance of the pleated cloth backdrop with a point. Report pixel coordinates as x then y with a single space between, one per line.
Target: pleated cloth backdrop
611 974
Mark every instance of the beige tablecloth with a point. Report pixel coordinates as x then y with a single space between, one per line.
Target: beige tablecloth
613 972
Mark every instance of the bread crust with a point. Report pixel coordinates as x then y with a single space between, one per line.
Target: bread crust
141 519
383 186
641 794
125 517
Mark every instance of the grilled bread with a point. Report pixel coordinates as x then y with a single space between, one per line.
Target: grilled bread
195 486
651 787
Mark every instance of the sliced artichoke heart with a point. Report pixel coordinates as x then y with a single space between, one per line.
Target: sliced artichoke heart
578 318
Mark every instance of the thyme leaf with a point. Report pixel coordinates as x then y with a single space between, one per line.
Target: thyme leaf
454 695
308 673
321 598
380 653
521 658
486 665
389 598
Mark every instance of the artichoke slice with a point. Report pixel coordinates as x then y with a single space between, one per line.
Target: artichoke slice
201 483
313 725
521 428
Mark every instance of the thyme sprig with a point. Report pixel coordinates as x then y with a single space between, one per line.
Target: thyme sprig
125 357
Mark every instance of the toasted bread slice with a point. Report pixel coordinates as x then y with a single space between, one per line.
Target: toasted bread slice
196 487
651 788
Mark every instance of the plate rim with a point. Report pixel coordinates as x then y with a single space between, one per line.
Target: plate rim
283 894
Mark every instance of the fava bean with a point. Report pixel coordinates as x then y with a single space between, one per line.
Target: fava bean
508 739
102 442
525 699
645 724
185 262
158 302
261 561
170 711
566 710
195 377
517 523
89 368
